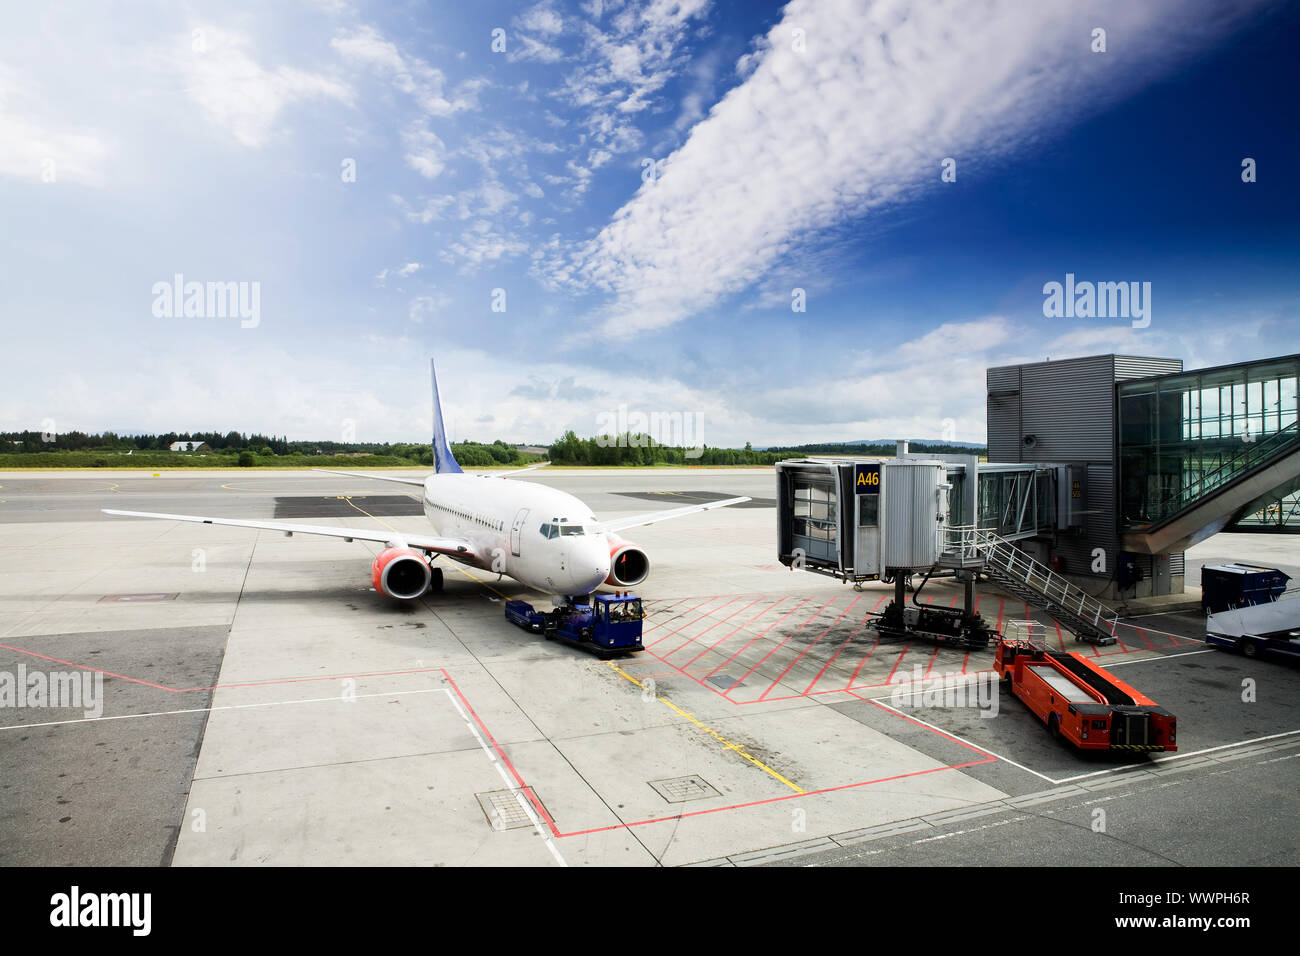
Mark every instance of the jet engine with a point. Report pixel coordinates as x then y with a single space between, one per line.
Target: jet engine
401 573
628 564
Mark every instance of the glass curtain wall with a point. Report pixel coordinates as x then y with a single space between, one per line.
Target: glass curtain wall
1182 436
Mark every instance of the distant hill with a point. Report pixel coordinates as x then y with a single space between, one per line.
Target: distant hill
929 442
879 447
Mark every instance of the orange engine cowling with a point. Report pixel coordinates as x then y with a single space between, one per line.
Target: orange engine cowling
401 573
628 564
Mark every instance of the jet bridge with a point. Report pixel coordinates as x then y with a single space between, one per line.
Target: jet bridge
889 518
864 519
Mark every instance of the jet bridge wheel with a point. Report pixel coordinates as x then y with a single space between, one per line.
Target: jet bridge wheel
1249 649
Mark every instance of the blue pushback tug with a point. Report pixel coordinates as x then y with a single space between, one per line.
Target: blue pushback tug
610 624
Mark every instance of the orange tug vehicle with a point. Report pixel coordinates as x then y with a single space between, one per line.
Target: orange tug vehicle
1081 702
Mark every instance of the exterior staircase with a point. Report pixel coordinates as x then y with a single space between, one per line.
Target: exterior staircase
1034 583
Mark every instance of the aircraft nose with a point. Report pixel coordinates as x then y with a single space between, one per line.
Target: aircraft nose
588 567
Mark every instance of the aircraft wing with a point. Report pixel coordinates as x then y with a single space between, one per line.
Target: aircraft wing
517 471
357 474
636 521
455 547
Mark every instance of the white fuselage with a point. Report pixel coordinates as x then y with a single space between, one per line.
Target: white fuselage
539 536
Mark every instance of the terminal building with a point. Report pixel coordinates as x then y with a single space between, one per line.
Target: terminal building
1101 472
1169 457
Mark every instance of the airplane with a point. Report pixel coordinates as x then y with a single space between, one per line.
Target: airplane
544 538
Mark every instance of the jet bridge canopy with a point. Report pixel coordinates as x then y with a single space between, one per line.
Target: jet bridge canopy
859 519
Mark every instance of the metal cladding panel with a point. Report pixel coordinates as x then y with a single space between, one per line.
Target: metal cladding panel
1002 412
1069 408
911 509
1141 366
1098 526
1004 378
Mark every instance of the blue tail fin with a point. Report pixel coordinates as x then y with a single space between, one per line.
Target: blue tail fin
444 463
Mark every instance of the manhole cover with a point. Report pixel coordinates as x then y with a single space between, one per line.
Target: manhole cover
504 809
682 789
113 598
725 682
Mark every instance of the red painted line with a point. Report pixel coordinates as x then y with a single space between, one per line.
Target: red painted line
186 690
857 670
676 616
1060 638
756 637
1142 635
919 724
854 690
809 648
696 637
906 648
693 620
844 645
739 627
933 658
93 670
964 661
788 796
555 831
1001 603
528 791
780 645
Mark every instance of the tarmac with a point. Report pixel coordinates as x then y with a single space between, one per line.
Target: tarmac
262 705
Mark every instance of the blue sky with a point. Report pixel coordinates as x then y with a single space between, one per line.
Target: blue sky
793 146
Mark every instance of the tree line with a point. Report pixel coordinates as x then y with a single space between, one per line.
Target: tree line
638 449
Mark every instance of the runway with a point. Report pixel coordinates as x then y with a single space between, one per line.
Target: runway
262 705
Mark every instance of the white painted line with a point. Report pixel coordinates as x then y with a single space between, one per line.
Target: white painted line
510 784
202 710
1156 630
1194 753
1158 657
949 733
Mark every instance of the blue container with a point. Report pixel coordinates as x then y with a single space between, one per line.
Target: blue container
1225 586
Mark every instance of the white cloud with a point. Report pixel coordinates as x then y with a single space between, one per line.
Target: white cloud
481 243
860 119
237 94
424 150
34 152
426 84
542 19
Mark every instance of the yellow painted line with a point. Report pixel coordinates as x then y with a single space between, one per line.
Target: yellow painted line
708 730
113 487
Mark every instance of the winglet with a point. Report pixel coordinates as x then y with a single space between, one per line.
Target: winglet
444 463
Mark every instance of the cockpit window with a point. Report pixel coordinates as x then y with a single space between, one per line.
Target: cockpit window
549 530
571 529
